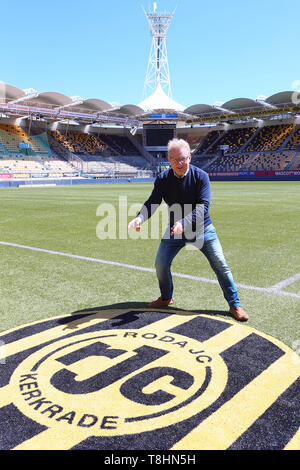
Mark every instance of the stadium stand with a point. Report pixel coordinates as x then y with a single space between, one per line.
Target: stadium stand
106 155
89 144
268 148
294 142
270 161
227 163
35 158
11 136
295 163
270 138
203 161
109 153
250 148
65 141
120 144
210 139
234 138
248 162
22 165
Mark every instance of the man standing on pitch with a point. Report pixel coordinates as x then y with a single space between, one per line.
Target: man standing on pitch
186 190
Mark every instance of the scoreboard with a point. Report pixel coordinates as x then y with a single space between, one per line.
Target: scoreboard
157 136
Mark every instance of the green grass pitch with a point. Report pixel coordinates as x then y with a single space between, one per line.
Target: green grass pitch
258 224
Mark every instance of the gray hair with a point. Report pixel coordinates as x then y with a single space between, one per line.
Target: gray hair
178 143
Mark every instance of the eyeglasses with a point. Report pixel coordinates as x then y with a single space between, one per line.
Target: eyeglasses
179 162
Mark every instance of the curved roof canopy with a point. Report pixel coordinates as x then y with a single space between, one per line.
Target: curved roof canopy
92 105
157 102
52 97
131 109
240 103
200 109
281 98
10 92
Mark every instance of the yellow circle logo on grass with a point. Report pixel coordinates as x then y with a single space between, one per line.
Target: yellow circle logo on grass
141 379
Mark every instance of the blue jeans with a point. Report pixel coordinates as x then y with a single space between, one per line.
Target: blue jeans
212 249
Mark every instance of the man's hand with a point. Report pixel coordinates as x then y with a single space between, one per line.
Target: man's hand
177 228
135 224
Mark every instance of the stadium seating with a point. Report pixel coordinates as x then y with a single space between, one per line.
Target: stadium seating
227 163
56 152
270 138
35 159
249 149
22 165
65 141
120 144
105 155
249 162
202 161
89 143
208 140
11 136
270 161
31 165
234 138
294 141
296 164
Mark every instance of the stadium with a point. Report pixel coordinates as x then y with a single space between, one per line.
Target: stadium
82 356
49 135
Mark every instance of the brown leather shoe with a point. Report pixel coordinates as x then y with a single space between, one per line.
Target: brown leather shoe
239 313
160 303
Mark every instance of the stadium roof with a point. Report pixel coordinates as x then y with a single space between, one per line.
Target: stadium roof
92 105
282 97
240 103
157 102
10 92
199 109
130 109
51 97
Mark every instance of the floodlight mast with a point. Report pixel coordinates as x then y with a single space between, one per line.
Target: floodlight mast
158 67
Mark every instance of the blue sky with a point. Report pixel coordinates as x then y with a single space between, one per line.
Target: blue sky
217 50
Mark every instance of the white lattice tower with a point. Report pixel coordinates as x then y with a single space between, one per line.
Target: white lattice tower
158 67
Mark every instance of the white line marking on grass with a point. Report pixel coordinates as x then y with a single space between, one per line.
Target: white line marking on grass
286 282
84 258
266 290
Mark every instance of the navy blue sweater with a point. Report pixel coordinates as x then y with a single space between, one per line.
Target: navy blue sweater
192 189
